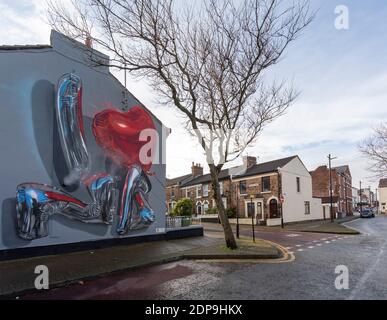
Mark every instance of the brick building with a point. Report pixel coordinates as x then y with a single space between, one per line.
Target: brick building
383 195
174 186
341 189
253 189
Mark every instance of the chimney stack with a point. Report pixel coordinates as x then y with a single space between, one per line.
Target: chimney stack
249 161
89 42
197 169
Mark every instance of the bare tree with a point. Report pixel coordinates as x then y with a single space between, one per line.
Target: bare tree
375 149
207 59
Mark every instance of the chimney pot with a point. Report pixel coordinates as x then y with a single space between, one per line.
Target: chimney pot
197 169
249 161
89 42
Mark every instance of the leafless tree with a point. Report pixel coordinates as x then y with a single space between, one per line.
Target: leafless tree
208 59
375 149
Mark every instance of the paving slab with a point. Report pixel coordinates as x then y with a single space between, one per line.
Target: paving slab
17 276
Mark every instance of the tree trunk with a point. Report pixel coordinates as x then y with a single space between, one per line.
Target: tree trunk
228 234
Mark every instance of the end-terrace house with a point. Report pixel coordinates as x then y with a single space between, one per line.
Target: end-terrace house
263 190
341 189
383 195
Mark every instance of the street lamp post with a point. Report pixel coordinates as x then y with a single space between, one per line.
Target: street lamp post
280 196
361 201
330 185
237 215
252 216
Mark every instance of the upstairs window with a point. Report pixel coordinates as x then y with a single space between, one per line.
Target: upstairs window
221 188
266 184
205 190
198 192
243 187
298 184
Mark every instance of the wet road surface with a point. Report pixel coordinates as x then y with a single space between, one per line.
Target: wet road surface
310 276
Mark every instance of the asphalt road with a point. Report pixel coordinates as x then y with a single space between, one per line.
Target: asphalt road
310 276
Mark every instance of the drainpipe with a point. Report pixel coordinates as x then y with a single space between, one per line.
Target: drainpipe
279 197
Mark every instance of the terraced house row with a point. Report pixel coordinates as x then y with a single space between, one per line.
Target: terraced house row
262 190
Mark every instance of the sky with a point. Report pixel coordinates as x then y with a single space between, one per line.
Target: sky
341 75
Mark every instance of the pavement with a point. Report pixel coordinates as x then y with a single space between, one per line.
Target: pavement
317 226
310 275
17 277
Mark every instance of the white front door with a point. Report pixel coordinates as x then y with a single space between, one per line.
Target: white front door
255 208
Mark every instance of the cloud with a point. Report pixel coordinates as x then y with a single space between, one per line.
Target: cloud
23 22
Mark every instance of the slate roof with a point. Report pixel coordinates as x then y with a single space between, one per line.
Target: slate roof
258 169
342 169
383 183
179 180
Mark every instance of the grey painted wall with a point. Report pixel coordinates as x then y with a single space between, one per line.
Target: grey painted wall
29 149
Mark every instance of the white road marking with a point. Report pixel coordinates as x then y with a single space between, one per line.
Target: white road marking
368 273
327 242
298 245
319 244
300 250
311 247
293 235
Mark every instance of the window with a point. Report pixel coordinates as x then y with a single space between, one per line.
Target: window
198 191
171 206
259 211
307 207
205 207
205 190
298 184
266 184
225 203
221 188
173 192
243 187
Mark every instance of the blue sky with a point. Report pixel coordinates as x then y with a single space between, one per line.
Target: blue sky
341 74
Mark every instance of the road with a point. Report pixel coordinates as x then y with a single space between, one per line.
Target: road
310 276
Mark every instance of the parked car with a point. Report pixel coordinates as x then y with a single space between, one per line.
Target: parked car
367 213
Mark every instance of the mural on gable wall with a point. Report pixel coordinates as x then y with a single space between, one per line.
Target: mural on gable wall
123 189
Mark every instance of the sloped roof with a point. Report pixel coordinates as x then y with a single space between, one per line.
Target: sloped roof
342 169
261 168
224 174
383 183
267 167
178 180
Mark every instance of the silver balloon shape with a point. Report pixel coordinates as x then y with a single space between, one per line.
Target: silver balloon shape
135 211
70 126
37 202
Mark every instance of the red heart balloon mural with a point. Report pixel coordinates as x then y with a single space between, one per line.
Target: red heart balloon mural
118 133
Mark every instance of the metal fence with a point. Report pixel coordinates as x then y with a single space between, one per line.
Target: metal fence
182 222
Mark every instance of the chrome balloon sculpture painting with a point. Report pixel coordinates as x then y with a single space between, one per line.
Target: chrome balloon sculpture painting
123 193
